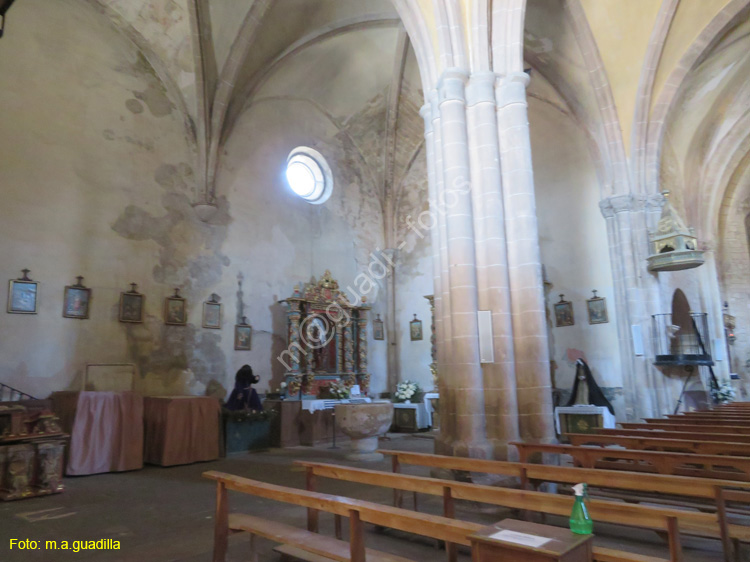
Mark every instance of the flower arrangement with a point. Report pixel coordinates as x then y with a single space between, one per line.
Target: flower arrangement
248 415
406 390
339 390
724 394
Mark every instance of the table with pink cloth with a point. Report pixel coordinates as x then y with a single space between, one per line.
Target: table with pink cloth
181 429
106 430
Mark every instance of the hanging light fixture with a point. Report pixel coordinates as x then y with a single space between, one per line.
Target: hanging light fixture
4 6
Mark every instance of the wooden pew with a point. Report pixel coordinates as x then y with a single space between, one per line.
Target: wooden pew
451 531
696 428
661 444
730 544
682 464
357 511
669 521
651 432
701 421
684 486
724 414
690 487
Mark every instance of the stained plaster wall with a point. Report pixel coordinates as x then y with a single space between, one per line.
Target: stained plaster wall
575 254
96 178
96 172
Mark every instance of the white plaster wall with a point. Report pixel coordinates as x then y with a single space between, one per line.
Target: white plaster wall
574 248
414 281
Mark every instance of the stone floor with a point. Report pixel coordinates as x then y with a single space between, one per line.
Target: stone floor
164 514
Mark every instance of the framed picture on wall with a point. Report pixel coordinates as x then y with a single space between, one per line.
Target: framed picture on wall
597 307
378 331
243 335
564 313
415 329
76 300
175 310
131 305
22 294
212 313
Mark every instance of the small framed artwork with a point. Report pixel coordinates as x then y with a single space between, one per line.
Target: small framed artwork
212 313
175 310
378 332
415 329
76 300
131 305
564 313
597 307
243 335
22 294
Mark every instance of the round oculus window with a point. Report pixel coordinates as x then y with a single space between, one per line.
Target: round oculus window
308 175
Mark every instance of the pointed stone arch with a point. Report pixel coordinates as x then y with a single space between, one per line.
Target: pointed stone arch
727 18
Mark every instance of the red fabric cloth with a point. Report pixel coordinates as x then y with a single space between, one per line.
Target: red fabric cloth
106 430
181 429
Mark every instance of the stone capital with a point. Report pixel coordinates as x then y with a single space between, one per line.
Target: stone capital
481 88
511 89
611 206
433 99
452 85
655 202
426 112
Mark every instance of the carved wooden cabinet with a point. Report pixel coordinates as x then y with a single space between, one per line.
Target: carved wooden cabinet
32 453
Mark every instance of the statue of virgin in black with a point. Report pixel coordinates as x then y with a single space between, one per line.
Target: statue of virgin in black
244 396
585 389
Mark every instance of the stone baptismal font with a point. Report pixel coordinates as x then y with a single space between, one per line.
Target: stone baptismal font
363 423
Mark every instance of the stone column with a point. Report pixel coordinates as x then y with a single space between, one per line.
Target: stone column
534 389
636 293
391 329
501 410
434 161
464 381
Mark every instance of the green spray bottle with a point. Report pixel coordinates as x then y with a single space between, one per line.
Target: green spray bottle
580 521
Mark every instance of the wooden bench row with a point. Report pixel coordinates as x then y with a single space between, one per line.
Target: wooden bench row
741 416
668 425
696 420
452 531
680 464
689 487
717 526
650 431
668 521
661 444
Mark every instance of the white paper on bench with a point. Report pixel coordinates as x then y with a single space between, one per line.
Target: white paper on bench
520 538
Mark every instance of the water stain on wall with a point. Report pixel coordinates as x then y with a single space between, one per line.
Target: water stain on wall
178 358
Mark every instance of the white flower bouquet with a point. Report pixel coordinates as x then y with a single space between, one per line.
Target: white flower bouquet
406 391
724 394
339 390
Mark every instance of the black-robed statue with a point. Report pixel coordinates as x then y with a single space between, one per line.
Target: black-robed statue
585 389
244 397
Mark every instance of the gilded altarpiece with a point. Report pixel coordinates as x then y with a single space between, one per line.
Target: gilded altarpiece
327 340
